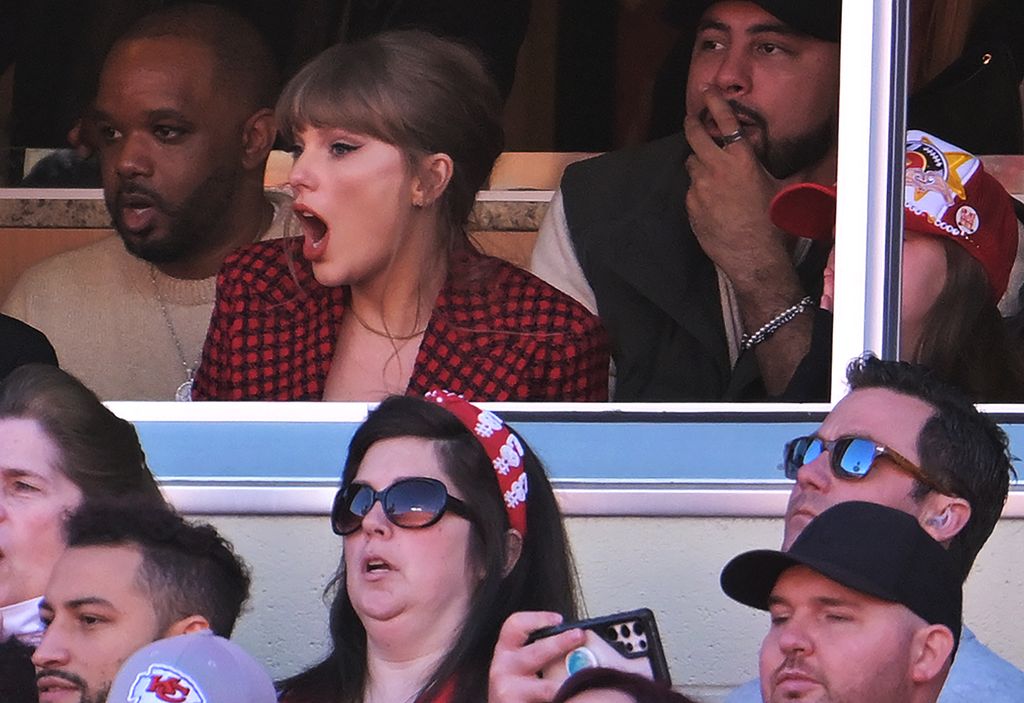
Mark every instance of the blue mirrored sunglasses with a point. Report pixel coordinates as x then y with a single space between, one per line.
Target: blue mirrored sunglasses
849 457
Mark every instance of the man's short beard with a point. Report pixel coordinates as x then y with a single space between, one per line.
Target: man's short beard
192 224
83 687
785 157
100 697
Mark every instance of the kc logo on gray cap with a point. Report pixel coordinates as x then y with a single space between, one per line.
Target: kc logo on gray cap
164 684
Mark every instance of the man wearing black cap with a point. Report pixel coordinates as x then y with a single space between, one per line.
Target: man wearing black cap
671 243
904 439
865 606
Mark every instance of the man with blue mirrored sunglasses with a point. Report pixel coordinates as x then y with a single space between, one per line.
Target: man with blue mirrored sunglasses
903 439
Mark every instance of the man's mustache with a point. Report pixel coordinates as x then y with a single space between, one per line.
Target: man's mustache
66 675
742 112
795 663
126 190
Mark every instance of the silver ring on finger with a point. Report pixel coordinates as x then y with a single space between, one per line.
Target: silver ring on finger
732 137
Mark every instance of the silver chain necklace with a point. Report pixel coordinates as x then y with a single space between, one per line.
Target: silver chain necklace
184 391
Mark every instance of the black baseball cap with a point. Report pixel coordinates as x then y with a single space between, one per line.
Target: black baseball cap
817 18
868 547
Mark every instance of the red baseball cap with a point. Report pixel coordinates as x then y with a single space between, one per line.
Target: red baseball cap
947 193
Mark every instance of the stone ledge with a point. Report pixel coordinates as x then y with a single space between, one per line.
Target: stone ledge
501 211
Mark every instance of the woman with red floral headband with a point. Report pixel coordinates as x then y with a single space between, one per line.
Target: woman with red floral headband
450 525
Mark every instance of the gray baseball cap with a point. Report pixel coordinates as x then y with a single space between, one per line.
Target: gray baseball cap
196 668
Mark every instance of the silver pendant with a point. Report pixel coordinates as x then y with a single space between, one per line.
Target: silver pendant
184 392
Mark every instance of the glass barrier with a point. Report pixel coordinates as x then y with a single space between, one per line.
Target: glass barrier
721 444
47 168
867 102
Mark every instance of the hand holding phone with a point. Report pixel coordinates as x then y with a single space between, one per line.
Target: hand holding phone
517 659
626 641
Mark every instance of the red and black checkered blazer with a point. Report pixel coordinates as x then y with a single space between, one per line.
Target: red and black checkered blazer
503 335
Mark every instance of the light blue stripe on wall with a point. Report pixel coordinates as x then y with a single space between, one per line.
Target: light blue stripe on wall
588 450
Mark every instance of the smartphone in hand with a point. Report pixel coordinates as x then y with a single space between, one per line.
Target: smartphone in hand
626 641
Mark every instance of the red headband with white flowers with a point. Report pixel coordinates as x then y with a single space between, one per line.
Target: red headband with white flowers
502 447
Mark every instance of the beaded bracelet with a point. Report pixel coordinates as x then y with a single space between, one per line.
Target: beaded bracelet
749 341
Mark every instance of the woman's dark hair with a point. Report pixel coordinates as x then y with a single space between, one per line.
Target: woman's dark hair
543 578
418 92
98 451
964 338
643 690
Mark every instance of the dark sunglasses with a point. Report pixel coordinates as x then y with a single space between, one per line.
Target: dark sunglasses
409 502
849 457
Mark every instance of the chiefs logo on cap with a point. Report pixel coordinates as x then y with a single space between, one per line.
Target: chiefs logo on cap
164 684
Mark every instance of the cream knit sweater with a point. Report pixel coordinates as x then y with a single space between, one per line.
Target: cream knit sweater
98 306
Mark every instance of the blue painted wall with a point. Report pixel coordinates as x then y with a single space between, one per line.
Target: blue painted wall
657 446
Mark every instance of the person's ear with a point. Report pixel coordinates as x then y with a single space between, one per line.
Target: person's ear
945 516
258 135
188 625
433 174
930 653
513 550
